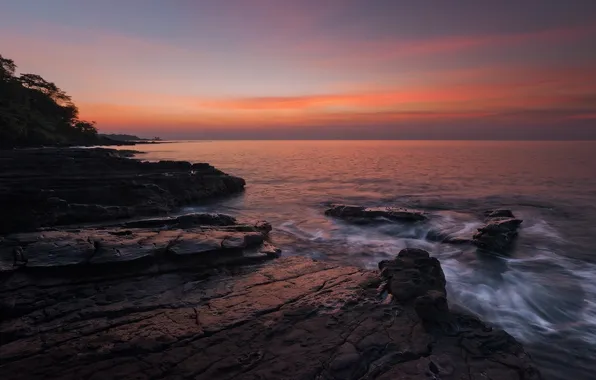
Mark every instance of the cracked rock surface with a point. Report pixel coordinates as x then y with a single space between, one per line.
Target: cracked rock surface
291 318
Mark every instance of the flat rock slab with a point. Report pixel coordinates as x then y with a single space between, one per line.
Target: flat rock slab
360 214
293 318
114 245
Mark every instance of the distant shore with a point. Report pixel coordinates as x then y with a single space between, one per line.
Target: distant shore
100 142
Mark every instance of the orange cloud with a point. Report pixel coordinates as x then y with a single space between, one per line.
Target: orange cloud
420 104
121 81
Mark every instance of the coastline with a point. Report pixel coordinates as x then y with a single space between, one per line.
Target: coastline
187 297
99 142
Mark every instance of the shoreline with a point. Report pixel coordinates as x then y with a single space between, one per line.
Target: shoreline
96 144
189 297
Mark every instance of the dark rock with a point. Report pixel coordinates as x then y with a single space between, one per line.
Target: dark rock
190 220
432 306
148 242
263 226
499 213
52 187
359 214
442 237
412 274
183 221
292 318
499 233
438 236
173 165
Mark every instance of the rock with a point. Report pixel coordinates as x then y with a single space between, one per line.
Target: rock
190 220
183 221
54 187
499 233
457 240
432 306
145 242
291 318
359 214
442 237
412 274
499 213
263 226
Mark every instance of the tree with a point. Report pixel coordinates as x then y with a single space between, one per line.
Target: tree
86 127
7 68
36 82
35 111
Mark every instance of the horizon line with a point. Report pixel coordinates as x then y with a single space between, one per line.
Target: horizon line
364 139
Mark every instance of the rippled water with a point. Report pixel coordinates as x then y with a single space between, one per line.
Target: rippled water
543 293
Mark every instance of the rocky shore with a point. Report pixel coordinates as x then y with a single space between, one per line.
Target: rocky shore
52 187
89 294
496 236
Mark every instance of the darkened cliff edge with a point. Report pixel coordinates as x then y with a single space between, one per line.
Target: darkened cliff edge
87 292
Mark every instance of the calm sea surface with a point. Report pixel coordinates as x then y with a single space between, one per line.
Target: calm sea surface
543 293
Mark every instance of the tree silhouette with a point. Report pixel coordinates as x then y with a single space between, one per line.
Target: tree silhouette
34 111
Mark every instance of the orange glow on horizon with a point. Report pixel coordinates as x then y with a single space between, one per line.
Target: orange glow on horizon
300 76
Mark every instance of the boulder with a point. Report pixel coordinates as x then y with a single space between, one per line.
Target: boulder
415 277
499 233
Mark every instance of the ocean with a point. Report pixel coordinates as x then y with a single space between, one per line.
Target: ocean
543 292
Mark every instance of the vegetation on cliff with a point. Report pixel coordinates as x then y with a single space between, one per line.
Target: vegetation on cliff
34 112
125 137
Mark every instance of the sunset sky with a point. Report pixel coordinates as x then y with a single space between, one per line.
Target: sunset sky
316 68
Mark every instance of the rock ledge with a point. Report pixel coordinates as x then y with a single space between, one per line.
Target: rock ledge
293 318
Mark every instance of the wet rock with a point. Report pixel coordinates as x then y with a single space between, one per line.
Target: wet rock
443 237
499 213
432 306
53 187
183 221
113 245
412 274
190 220
293 316
359 214
499 233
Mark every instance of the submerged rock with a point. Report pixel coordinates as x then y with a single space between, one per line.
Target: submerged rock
499 232
360 214
291 318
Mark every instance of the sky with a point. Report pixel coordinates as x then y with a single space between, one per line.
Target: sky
316 69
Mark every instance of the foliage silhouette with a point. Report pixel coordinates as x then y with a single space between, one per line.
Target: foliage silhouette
36 112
